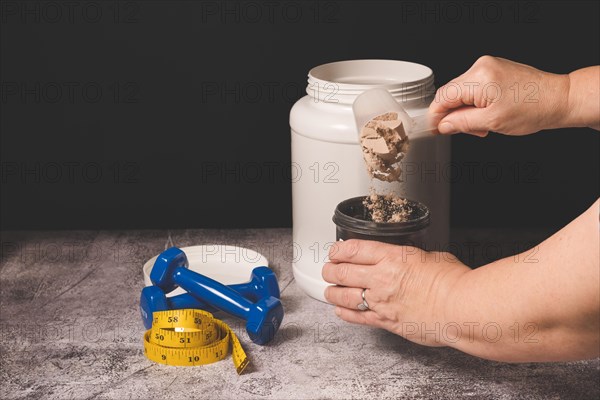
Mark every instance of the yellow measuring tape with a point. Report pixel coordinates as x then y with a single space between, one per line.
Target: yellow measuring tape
191 337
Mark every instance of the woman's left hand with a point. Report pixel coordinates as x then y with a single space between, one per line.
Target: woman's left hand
408 289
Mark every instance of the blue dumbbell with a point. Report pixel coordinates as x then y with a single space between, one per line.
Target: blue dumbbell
263 283
263 318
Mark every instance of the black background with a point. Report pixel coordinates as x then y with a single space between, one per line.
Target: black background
165 93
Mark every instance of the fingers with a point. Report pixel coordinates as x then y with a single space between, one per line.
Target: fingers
452 95
365 252
465 90
345 274
344 296
468 120
368 317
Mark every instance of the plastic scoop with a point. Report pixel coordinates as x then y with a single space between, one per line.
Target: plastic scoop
375 102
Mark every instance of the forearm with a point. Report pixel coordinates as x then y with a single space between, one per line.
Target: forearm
584 99
541 305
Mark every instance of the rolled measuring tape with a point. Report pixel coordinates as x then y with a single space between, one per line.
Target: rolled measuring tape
190 337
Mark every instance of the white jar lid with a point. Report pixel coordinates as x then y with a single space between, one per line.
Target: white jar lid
224 263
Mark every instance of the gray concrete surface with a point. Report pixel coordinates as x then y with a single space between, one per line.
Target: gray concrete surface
71 330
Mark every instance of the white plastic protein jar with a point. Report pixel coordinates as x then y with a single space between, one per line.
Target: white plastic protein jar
327 162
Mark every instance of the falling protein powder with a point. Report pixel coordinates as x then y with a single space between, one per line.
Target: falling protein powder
384 144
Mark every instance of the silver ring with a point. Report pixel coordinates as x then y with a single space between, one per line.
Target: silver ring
364 306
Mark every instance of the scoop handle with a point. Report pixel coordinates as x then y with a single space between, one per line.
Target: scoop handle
424 124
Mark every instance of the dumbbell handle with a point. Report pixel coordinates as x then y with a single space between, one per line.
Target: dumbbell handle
186 300
212 292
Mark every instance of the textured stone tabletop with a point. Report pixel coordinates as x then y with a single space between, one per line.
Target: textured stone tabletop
71 330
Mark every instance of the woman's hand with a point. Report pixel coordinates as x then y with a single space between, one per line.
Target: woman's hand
540 305
407 288
503 96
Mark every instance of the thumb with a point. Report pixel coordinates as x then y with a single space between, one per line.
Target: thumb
470 120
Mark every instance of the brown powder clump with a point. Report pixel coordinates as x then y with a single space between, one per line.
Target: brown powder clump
387 208
384 144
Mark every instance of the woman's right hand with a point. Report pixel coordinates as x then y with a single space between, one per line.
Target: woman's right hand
502 96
